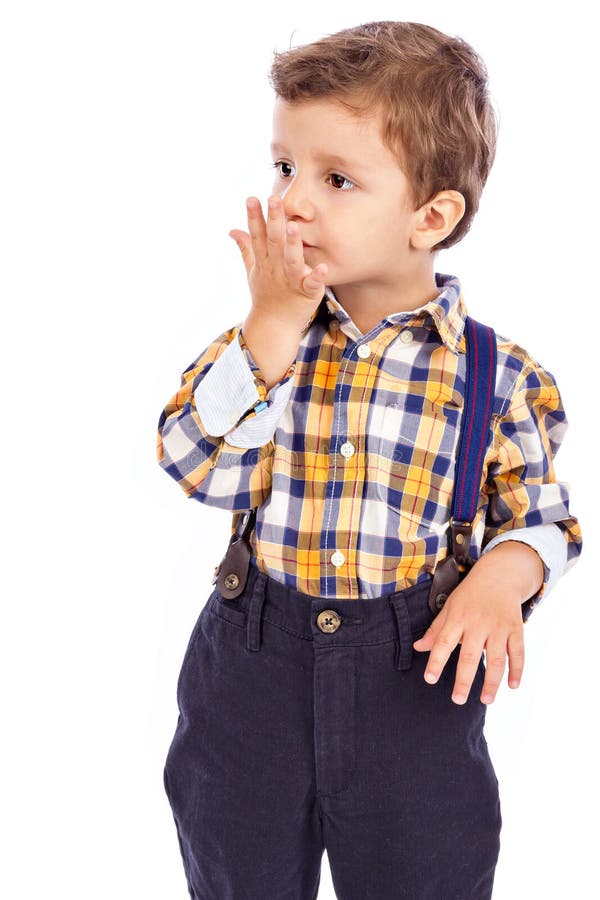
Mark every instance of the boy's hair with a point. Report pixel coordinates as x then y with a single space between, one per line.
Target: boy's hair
439 121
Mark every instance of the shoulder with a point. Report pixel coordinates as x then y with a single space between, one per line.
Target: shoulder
518 370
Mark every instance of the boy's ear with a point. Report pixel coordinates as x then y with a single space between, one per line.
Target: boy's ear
437 219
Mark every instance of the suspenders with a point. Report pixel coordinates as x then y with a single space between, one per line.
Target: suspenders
231 574
475 436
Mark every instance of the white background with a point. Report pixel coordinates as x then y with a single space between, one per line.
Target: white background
131 135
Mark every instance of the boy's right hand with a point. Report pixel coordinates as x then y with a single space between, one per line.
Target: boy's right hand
282 285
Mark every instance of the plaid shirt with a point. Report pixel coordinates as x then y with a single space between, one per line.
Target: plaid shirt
350 457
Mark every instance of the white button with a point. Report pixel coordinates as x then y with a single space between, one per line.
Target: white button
406 336
347 449
338 558
363 351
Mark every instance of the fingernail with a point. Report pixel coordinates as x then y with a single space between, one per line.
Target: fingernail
458 698
430 677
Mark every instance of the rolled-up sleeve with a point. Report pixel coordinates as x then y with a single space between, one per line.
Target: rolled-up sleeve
233 391
523 491
216 434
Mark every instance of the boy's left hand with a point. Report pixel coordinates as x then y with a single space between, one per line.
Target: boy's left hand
485 610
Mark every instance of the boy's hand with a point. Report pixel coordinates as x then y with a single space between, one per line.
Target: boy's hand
485 610
282 285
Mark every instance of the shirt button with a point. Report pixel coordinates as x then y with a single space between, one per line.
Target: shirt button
338 558
363 351
406 336
347 449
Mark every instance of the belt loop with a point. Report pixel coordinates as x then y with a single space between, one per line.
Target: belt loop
404 647
253 634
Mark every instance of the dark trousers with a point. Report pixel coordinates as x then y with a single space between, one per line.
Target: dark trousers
306 724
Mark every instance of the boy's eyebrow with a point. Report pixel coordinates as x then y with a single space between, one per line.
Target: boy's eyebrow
328 157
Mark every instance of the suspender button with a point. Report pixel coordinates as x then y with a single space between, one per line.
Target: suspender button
440 600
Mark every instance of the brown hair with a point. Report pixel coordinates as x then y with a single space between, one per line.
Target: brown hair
432 89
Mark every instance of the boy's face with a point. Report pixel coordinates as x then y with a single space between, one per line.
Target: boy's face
355 213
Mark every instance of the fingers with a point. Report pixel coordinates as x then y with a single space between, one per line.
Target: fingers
470 658
295 264
243 242
277 248
284 247
262 235
471 649
311 279
497 626
440 653
275 227
468 663
516 657
293 254
495 663
268 237
315 280
257 228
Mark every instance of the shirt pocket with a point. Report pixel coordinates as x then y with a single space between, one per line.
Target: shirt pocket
413 442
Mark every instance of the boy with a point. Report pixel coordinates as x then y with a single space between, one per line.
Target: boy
334 409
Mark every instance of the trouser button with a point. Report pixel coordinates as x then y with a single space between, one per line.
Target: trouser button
328 620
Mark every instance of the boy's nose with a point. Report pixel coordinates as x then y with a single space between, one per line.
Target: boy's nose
296 203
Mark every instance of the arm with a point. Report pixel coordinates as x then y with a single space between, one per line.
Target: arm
234 392
526 505
525 501
215 434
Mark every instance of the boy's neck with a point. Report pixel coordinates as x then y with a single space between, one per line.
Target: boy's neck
368 304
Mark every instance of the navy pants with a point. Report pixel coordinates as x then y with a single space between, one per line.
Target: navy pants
306 724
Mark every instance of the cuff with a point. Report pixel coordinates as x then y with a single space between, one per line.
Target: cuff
234 388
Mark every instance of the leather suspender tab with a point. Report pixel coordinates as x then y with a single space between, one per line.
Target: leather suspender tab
231 574
461 540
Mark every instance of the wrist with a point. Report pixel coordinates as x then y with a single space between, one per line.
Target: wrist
515 565
285 325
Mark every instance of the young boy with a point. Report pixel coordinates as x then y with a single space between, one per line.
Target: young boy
335 409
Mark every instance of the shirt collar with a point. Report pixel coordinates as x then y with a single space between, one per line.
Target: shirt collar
447 310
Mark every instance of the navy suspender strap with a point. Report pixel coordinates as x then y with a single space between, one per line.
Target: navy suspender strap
475 437
231 574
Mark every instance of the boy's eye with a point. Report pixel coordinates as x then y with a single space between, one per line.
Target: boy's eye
333 175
